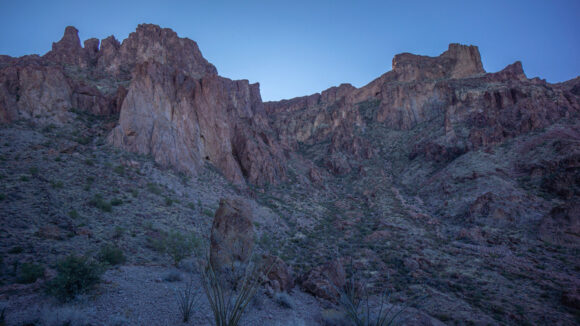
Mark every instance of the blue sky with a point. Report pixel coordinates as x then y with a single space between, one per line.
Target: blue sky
296 48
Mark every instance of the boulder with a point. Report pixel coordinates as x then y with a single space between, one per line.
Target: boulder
278 275
325 281
232 234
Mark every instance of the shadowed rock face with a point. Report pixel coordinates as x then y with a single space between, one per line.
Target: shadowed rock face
183 122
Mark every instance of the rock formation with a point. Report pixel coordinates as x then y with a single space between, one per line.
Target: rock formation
176 108
232 234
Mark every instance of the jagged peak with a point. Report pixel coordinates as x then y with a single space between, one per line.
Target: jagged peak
70 36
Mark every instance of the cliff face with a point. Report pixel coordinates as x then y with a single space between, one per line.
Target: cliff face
183 122
172 103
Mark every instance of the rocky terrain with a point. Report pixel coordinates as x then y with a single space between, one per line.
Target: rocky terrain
436 180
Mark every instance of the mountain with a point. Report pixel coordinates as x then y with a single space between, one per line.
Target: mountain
436 178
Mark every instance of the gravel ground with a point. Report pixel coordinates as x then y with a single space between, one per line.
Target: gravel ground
139 295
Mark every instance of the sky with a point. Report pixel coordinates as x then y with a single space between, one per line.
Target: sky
295 48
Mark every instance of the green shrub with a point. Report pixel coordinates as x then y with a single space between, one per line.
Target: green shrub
111 255
179 246
120 170
168 201
101 204
76 275
154 188
30 272
116 202
74 214
2 197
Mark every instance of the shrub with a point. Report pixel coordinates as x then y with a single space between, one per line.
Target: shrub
116 202
30 272
101 204
228 305
355 299
74 214
186 300
76 275
179 246
120 170
154 188
111 255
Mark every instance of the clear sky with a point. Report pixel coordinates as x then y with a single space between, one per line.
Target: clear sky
296 48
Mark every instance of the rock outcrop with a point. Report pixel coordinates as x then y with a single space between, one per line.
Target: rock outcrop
34 91
325 281
153 43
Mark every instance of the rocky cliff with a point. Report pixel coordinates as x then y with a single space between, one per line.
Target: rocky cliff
172 103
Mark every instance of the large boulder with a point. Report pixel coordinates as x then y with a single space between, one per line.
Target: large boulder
325 281
232 234
277 274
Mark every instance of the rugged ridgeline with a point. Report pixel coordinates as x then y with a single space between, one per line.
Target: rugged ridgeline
174 106
171 101
436 110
